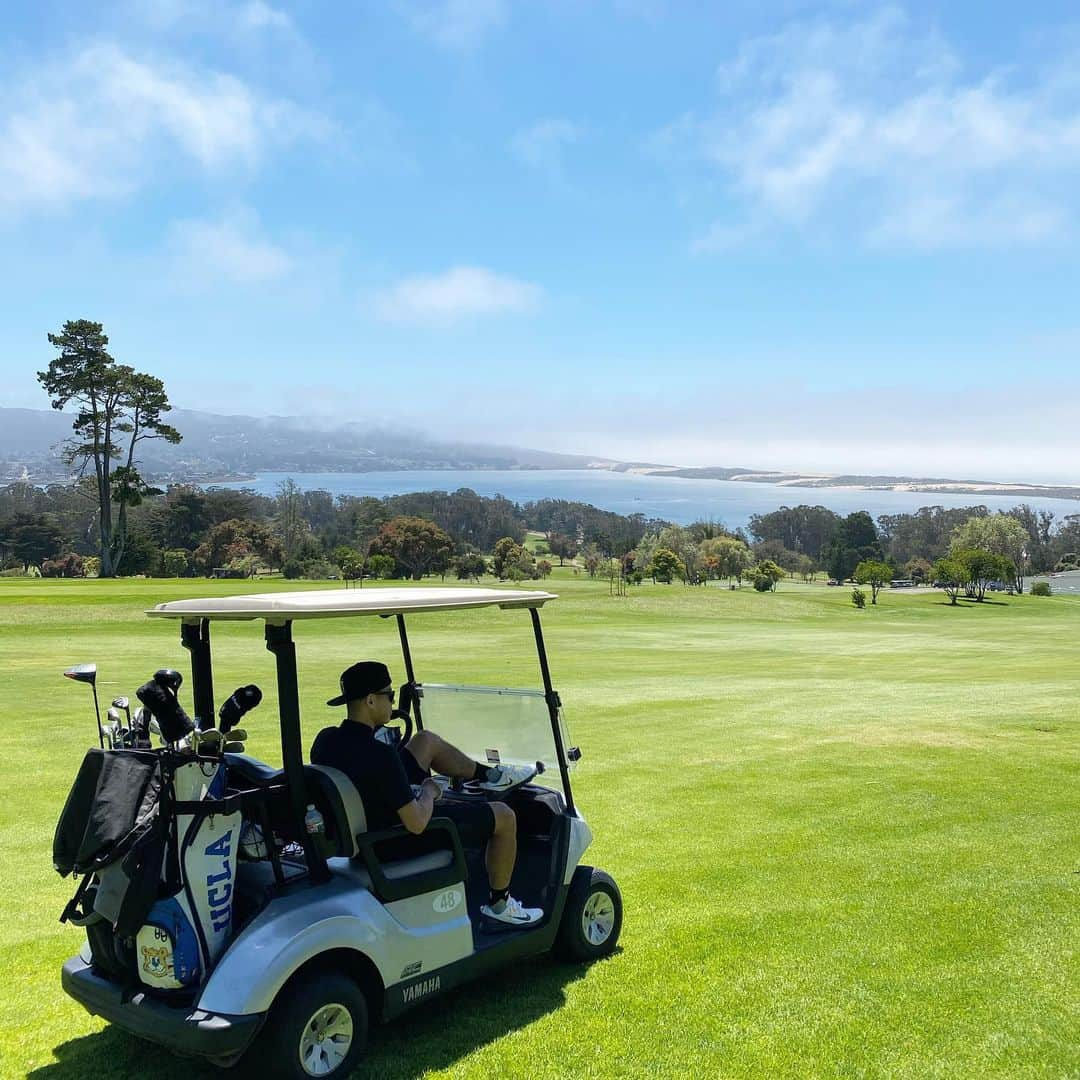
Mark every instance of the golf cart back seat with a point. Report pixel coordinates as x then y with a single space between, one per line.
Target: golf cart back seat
397 864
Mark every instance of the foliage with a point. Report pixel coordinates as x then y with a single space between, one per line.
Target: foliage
802 529
543 568
469 567
381 566
234 539
1041 588
666 566
418 547
858 597
64 566
854 541
997 534
176 563
506 554
874 573
767 574
951 574
118 407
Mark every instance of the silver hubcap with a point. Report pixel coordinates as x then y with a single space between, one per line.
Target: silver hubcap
325 1042
598 918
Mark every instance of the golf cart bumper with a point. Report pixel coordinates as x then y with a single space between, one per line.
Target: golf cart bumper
187 1030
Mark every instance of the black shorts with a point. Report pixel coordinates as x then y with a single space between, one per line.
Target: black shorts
474 818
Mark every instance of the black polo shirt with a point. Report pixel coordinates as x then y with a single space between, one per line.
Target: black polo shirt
372 765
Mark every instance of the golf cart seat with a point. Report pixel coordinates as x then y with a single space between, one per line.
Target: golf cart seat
391 862
330 790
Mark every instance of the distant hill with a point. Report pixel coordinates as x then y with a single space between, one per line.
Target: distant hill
236 447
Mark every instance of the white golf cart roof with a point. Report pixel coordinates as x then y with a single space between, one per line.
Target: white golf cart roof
333 603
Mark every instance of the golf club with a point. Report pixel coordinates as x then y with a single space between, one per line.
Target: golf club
121 702
87 673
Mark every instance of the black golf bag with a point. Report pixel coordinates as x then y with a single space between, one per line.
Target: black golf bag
155 837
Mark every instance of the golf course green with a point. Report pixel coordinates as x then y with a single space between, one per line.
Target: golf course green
848 841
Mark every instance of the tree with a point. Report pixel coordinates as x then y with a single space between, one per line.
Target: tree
874 573
998 534
562 546
507 552
418 547
117 406
32 538
291 526
470 566
951 574
854 540
666 566
766 575
236 539
380 566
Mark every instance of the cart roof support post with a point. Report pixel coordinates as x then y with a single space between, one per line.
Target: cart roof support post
195 637
553 704
409 673
279 641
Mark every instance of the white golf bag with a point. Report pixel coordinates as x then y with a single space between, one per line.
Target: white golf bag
186 931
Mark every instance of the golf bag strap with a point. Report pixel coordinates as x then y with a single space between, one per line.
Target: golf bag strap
72 913
205 807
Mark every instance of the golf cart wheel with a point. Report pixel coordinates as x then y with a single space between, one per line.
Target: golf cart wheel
592 919
317 1028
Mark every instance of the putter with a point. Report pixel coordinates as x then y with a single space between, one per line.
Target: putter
87 673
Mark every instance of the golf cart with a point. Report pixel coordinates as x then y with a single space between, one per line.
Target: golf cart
281 923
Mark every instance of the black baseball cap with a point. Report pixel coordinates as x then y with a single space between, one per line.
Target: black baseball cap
360 680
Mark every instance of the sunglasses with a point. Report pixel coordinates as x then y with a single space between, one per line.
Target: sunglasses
385 693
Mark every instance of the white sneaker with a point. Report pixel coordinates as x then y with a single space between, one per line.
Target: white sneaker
513 914
504 778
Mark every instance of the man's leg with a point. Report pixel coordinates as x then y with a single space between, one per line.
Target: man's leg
432 751
501 849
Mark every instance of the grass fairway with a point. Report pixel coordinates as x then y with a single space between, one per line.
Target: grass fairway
848 842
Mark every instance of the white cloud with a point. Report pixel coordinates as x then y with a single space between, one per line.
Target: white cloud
90 126
459 293
260 16
216 16
232 247
870 127
455 24
541 145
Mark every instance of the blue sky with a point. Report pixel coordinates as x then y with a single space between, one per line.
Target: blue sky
819 236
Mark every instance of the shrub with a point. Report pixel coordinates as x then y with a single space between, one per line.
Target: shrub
320 570
92 565
1041 588
69 565
381 566
763 583
175 563
292 569
858 598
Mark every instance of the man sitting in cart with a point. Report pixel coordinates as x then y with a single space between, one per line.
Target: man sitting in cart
384 776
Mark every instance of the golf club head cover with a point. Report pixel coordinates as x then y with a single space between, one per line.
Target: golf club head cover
170 678
242 700
175 724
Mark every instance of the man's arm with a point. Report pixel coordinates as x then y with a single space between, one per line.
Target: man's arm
416 814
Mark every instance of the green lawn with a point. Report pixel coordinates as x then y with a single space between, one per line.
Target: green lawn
848 842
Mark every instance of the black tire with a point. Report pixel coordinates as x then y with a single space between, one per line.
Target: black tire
592 919
290 1042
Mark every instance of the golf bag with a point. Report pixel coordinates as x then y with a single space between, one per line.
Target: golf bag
156 837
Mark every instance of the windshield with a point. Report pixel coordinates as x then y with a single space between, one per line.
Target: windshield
495 725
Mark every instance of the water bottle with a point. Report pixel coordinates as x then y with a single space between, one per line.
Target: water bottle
313 821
